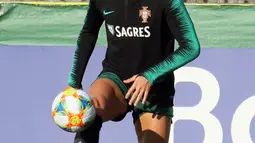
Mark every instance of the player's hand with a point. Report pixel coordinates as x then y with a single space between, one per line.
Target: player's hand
140 89
68 87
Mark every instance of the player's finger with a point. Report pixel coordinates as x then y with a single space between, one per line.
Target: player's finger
132 79
134 96
68 87
139 97
130 91
145 96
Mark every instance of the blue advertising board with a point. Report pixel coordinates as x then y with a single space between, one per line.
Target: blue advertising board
215 96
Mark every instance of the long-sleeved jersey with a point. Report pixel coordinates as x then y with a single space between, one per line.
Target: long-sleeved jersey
140 37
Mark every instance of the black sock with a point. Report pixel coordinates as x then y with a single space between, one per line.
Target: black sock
90 135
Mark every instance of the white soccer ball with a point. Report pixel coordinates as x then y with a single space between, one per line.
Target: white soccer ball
72 110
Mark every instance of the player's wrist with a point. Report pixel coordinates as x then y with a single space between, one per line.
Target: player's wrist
148 77
73 84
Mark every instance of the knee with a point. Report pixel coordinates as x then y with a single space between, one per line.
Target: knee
106 102
139 132
106 105
98 101
148 131
151 136
140 137
103 103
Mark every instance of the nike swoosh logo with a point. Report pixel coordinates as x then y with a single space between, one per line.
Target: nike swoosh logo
108 12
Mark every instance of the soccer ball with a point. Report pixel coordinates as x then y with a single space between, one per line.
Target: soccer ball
72 110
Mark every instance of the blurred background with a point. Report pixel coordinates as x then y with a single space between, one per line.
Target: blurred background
37 42
188 1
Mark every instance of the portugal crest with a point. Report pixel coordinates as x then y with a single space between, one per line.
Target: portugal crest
144 13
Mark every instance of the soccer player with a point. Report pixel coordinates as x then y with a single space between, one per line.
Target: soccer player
138 67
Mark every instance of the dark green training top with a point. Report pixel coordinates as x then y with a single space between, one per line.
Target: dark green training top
140 36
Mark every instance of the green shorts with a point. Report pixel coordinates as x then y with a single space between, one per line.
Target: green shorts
149 106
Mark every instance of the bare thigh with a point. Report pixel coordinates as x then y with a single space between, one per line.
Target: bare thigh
153 128
107 99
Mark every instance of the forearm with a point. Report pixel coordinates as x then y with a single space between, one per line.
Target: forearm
179 58
85 44
81 58
182 29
